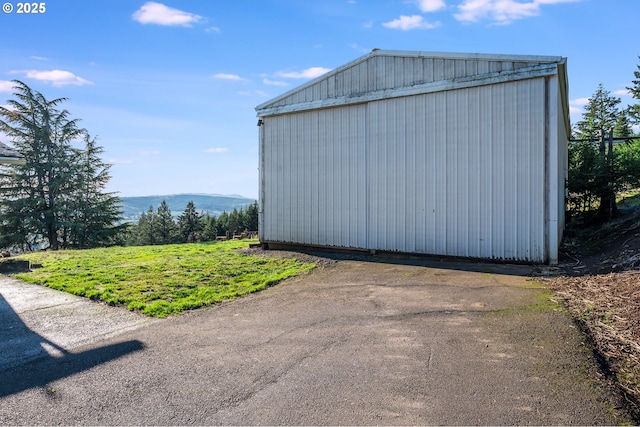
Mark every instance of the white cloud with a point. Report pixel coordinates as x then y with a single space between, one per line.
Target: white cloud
431 5
309 73
406 23
576 107
622 92
6 86
157 13
579 101
274 82
213 30
225 76
574 110
56 77
216 150
39 58
501 11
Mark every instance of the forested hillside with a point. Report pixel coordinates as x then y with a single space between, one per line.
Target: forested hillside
213 204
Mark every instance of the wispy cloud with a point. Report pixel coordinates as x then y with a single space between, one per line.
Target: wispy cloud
579 101
216 150
573 110
576 105
55 77
622 92
431 5
413 22
6 86
501 12
39 58
309 73
274 82
226 76
159 14
359 48
212 30
148 152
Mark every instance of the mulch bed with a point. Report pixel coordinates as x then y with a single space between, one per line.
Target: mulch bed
607 307
599 284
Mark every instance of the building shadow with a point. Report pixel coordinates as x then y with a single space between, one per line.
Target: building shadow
424 260
29 360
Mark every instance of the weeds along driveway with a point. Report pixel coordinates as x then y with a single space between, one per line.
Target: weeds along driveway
356 342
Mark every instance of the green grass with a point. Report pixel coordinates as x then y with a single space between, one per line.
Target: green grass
161 280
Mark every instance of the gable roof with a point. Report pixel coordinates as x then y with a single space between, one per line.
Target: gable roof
384 74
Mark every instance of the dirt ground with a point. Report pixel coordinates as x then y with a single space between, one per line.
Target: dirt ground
598 281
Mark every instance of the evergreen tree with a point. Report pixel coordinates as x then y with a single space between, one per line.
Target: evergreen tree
222 223
190 224
234 223
165 225
210 231
600 117
146 229
252 216
634 89
136 235
42 201
622 128
94 212
583 162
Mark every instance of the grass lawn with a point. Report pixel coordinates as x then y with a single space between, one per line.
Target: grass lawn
161 280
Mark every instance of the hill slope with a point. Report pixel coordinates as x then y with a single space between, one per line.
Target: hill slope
598 281
212 203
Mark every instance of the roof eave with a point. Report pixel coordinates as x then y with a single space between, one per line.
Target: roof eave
440 55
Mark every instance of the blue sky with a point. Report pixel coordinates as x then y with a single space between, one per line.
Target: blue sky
169 87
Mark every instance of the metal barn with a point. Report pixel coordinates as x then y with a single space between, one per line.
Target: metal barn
418 152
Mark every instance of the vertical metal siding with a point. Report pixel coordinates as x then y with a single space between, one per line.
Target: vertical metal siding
313 191
480 192
386 72
558 168
461 172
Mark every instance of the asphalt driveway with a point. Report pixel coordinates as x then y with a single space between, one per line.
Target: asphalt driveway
357 342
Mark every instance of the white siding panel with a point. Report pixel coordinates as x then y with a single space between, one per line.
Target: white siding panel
314 192
459 172
464 178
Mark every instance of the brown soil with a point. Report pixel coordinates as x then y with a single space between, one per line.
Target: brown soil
598 280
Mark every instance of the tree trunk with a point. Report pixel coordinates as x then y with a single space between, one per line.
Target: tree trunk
608 207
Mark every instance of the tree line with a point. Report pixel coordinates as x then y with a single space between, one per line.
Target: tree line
157 227
604 154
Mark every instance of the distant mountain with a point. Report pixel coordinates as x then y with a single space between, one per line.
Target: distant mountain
214 204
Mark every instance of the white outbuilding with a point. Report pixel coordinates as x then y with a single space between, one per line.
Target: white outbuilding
456 154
